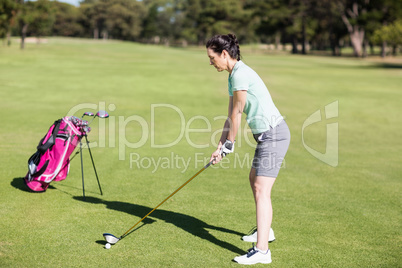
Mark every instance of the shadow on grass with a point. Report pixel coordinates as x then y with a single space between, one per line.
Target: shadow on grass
187 223
382 65
19 184
390 65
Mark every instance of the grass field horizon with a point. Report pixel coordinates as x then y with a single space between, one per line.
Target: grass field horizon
346 215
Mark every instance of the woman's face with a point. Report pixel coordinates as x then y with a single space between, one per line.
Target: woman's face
217 60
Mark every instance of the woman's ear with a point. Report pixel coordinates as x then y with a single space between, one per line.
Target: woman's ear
225 54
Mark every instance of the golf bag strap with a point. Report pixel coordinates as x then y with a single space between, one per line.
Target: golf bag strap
40 171
35 158
51 141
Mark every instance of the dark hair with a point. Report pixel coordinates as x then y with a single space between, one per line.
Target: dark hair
227 42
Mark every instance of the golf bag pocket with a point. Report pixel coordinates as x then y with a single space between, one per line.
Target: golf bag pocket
51 161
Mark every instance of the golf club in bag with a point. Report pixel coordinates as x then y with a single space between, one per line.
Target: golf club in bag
51 161
111 239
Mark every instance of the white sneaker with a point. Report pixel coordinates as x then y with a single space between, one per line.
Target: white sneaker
253 236
254 256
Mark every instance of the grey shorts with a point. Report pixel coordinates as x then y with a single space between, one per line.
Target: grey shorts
272 146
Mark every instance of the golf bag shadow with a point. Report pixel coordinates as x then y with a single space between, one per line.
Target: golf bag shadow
51 161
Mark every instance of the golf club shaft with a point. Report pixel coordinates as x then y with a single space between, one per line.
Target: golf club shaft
93 164
178 189
82 172
92 120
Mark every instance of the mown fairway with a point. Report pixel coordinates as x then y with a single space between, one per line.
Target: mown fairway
343 216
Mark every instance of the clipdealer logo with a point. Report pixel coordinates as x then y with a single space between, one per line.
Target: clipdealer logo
330 156
146 130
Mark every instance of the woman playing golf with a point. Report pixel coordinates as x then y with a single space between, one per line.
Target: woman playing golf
248 94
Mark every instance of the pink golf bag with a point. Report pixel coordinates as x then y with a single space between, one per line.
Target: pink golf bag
52 159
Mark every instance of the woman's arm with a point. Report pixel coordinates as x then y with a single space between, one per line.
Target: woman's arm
226 126
232 123
238 102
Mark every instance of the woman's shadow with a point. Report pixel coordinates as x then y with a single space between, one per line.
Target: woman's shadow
187 223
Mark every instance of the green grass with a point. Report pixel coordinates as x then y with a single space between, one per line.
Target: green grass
348 215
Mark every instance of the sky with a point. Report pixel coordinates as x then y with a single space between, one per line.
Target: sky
72 2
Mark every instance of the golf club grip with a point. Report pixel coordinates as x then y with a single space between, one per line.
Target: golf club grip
178 189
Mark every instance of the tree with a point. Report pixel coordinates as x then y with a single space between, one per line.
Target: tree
327 27
88 19
353 13
150 24
121 19
300 23
271 19
38 16
390 11
205 18
192 13
164 21
289 20
390 34
8 9
124 19
43 17
66 20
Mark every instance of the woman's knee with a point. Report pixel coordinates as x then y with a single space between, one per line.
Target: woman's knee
263 186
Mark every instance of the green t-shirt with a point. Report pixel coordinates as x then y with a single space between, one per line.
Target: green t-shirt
260 109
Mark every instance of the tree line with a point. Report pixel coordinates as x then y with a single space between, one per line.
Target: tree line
304 24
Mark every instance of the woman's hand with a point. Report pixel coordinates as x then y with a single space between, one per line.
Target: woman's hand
216 156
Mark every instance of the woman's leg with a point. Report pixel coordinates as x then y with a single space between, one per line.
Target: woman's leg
261 187
252 181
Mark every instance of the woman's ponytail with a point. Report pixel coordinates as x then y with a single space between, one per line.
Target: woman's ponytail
235 45
228 42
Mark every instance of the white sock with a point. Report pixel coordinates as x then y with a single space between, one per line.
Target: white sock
261 251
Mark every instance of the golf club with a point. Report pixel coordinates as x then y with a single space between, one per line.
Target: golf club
111 239
100 114
87 114
86 128
83 125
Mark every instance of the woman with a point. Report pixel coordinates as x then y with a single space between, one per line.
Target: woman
248 94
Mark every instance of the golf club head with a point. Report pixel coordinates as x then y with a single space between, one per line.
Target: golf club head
102 114
87 114
111 239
